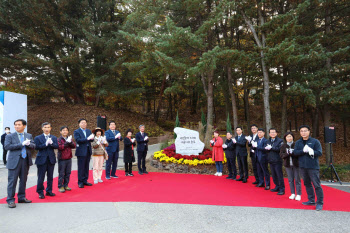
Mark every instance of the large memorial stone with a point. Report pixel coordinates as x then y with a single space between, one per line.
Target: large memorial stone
187 142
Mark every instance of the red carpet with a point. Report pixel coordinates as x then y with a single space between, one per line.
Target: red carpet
186 189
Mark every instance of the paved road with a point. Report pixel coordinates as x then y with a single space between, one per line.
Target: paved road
153 217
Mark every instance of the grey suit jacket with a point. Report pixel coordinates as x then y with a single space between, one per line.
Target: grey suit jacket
14 149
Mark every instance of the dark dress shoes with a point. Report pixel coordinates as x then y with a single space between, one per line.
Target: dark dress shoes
51 194
12 205
319 207
145 172
309 203
256 182
240 179
260 185
274 190
140 173
267 188
25 200
81 186
244 181
280 193
229 178
41 196
87 184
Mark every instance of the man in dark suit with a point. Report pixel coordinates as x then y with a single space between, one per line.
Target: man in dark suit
113 137
45 159
241 153
253 138
83 138
258 148
229 148
4 152
18 145
142 148
273 148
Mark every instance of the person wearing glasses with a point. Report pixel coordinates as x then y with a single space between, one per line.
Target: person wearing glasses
308 150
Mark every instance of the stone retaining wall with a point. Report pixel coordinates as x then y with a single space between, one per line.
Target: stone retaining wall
182 168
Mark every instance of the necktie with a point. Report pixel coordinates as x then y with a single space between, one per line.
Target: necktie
239 137
113 132
84 132
142 134
46 137
23 152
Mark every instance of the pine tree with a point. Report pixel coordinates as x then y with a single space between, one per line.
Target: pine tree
68 46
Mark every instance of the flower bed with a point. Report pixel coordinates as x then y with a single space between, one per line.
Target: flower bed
169 155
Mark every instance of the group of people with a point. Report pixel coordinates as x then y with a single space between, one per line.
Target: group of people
98 144
299 158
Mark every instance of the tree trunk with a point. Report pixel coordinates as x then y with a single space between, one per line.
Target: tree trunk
344 119
156 115
154 107
97 100
261 45
233 97
284 103
326 109
295 116
246 105
304 111
315 123
284 114
67 98
266 93
327 122
171 107
149 107
143 106
264 122
210 98
194 101
79 97
175 104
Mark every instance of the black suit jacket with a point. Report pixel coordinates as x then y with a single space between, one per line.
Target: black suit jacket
142 145
260 151
241 149
231 148
83 145
45 151
3 140
273 155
